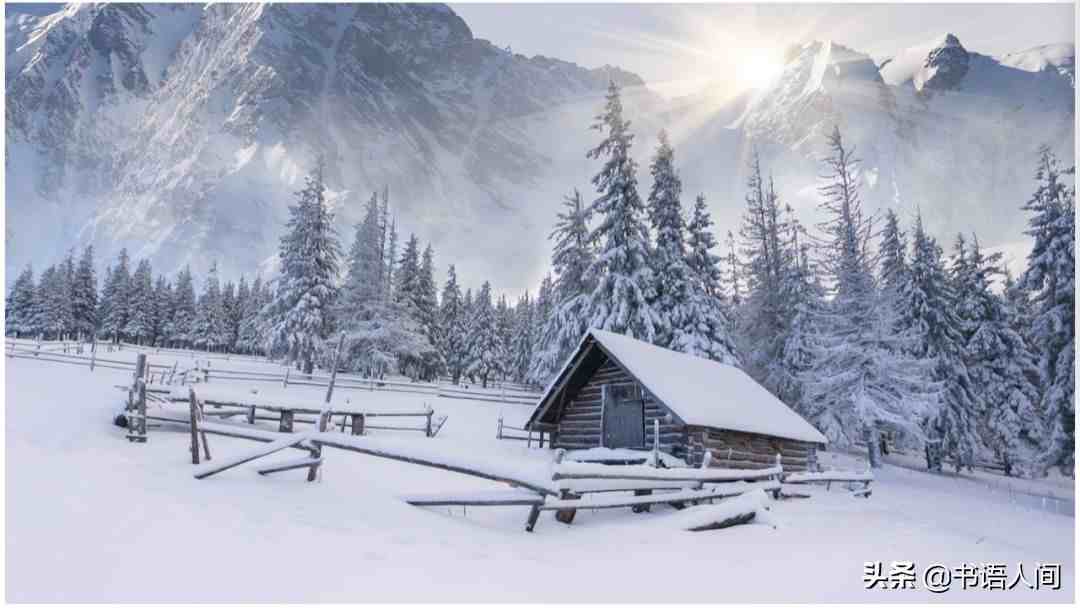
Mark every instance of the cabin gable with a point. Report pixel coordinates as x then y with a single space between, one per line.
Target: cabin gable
580 423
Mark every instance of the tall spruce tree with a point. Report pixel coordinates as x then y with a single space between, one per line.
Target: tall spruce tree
1002 367
1049 280
142 304
858 381
208 328
484 352
84 295
365 266
453 335
117 298
523 338
19 305
623 282
179 329
309 255
565 321
928 308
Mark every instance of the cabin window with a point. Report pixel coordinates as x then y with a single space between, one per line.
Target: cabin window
623 417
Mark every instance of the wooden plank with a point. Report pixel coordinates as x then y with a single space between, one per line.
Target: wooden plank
491 498
285 466
350 443
601 502
267 449
731 521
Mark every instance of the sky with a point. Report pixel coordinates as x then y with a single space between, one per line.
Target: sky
677 48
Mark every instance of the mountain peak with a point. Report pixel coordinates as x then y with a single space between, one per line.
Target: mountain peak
937 64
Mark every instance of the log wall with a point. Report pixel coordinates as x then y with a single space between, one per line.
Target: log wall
580 422
740 450
580 427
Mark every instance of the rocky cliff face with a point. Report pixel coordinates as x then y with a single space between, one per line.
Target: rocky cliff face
182 130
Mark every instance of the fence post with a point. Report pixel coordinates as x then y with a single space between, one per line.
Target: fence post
316 452
194 426
207 370
427 428
286 381
333 371
93 353
498 430
656 442
142 412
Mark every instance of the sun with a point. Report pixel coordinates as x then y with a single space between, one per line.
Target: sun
756 68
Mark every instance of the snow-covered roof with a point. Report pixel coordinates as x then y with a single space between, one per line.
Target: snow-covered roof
706 393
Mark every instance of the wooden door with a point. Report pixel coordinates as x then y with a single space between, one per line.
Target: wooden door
623 423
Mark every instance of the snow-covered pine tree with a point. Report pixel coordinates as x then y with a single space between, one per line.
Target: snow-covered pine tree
927 307
104 304
140 324
117 297
805 295
1002 367
1049 280
179 329
390 255
859 380
386 250
229 321
670 292
49 288
19 305
365 270
700 243
84 295
250 338
427 295
208 328
407 279
163 309
484 362
623 282
764 323
504 332
542 308
567 298
734 278
236 313
63 312
309 253
707 322
893 264
523 338
453 330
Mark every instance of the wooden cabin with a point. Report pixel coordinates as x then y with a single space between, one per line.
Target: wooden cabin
614 387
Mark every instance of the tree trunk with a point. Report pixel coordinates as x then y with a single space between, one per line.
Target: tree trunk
873 447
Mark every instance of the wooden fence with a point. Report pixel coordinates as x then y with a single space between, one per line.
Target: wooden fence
209 368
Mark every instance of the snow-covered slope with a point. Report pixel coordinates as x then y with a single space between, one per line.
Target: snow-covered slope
182 130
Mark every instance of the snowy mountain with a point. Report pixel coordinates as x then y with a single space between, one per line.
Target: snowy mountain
936 126
182 131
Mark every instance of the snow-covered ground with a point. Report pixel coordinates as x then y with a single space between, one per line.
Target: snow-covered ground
91 517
